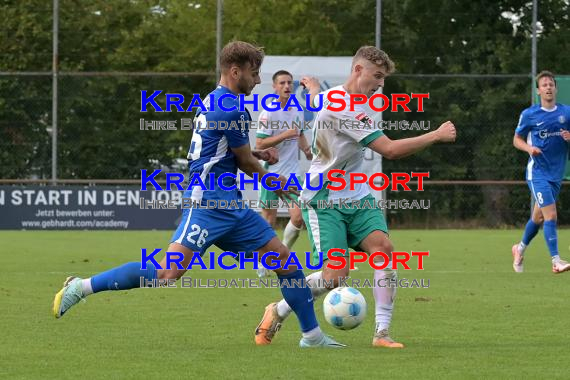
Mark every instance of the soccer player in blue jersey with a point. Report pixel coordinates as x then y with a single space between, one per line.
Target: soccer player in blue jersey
545 127
217 151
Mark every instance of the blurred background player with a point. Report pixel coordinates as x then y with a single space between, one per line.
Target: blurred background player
216 151
545 128
282 129
362 229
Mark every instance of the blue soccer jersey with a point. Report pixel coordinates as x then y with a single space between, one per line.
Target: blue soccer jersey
233 229
542 129
215 133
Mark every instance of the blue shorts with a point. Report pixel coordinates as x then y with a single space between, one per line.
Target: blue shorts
544 192
231 230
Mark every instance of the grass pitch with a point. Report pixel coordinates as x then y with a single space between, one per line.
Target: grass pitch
478 319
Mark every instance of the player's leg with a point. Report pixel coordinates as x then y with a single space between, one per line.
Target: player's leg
295 224
293 227
384 289
531 229
299 299
326 230
270 215
124 277
251 233
369 232
545 194
548 208
185 240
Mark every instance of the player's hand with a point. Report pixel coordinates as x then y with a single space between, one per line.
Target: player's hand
534 151
271 155
310 83
565 134
308 154
446 132
290 133
285 194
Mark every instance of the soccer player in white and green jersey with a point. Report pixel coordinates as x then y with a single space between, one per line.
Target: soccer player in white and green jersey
282 129
342 147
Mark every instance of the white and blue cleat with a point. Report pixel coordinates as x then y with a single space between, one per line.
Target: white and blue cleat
69 295
326 341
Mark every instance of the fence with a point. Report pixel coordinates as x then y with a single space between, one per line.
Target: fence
98 117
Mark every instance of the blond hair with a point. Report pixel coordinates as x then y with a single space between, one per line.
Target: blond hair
376 56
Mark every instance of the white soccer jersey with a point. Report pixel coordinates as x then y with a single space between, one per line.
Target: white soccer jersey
339 140
273 124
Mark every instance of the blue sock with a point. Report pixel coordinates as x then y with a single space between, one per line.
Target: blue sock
530 232
299 299
551 237
127 276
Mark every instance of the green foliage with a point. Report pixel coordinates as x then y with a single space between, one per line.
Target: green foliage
99 116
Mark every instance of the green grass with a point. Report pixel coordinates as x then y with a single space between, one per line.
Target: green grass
478 319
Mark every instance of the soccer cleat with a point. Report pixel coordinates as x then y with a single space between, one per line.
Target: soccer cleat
326 341
518 259
263 272
382 339
560 266
69 295
269 325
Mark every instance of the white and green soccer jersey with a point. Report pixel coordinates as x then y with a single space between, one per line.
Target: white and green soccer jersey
339 140
273 124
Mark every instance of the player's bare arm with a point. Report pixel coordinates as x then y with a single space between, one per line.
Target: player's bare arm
312 84
271 155
249 164
395 149
521 144
304 146
269 142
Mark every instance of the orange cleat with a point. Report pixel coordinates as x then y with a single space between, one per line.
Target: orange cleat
382 339
269 325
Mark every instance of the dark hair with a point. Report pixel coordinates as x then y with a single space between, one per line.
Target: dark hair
280 72
240 53
545 74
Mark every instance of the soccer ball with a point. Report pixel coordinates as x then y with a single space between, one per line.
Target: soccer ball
344 308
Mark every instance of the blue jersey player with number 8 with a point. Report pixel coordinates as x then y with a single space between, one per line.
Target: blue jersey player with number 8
543 133
218 151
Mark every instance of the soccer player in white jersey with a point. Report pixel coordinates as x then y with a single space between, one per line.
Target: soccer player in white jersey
344 228
282 129
545 128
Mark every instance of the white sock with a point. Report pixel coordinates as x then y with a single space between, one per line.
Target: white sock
290 234
555 259
315 281
86 286
384 295
314 335
522 247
